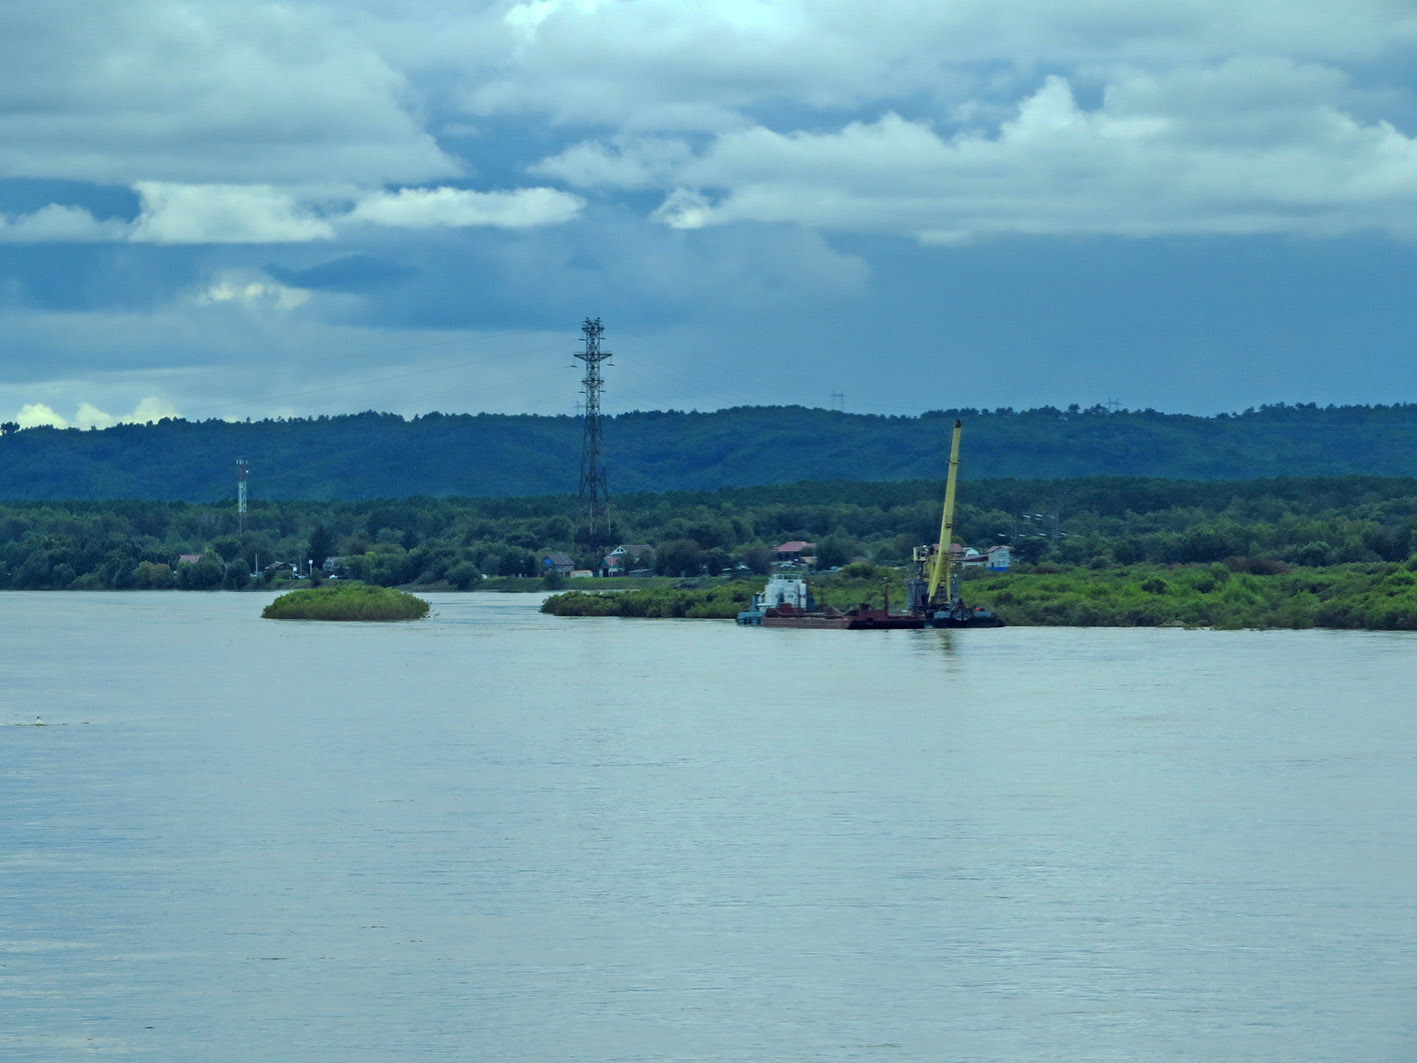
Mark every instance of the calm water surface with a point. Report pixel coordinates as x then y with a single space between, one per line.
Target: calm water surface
494 835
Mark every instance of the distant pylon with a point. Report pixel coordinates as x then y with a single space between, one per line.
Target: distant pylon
241 494
594 495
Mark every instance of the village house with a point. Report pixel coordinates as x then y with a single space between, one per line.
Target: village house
996 558
626 559
557 562
796 552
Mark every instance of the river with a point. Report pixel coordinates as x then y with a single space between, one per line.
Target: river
497 835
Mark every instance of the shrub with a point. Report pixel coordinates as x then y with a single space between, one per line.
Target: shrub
349 601
463 575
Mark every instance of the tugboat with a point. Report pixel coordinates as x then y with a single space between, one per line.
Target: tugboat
783 588
787 601
934 566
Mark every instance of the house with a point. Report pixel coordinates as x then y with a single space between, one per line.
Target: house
996 558
557 562
188 559
795 552
623 559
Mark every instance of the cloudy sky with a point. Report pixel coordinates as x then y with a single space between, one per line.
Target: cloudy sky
251 209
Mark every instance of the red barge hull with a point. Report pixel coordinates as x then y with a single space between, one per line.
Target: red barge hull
859 619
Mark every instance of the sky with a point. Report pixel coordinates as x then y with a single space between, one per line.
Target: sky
251 209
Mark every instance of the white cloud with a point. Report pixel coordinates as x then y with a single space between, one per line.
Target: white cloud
525 18
229 92
1148 161
59 223
223 214
222 113
90 416
151 409
429 208
665 65
253 291
37 414
222 91
638 162
685 209
708 66
263 214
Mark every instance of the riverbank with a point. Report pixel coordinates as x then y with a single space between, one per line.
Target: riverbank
1380 597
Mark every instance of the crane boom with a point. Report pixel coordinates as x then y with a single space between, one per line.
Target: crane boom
947 518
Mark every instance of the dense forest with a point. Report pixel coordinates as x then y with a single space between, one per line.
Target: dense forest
376 455
1258 527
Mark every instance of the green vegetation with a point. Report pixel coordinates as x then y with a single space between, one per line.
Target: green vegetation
498 543
710 599
380 455
1290 552
725 599
1374 597
1371 596
348 601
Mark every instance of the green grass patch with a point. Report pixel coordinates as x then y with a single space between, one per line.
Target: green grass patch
348 601
722 601
1359 596
1372 596
721 598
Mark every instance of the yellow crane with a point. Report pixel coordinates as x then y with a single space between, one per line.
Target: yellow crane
935 566
940 563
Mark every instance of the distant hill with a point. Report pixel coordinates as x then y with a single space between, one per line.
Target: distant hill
375 455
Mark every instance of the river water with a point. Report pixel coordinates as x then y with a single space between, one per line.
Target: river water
496 835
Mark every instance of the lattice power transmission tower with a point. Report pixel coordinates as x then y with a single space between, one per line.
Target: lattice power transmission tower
594 495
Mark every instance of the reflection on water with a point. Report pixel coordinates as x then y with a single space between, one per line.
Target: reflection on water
942 640
499 835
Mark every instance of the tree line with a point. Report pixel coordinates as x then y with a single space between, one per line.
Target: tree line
380 455
1265 525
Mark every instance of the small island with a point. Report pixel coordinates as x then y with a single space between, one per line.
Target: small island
348 601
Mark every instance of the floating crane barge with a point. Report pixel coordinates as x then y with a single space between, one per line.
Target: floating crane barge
933 591
936 571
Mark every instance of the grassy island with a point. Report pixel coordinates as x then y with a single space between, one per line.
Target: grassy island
348 601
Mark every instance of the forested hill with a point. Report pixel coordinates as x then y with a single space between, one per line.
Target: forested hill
373 455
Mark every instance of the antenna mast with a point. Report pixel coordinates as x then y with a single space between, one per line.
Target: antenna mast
241 494
594 494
